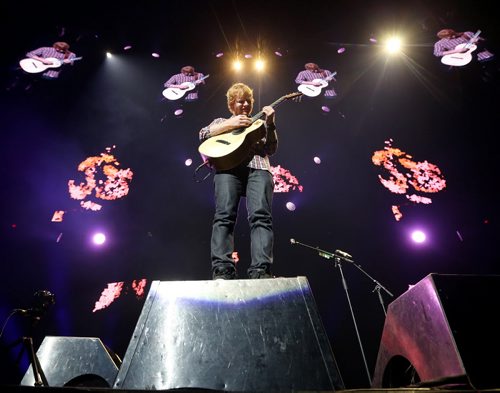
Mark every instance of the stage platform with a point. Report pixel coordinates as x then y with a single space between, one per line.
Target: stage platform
267 336
45 389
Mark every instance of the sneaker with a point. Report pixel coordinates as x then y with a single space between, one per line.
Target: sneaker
257 274
222 273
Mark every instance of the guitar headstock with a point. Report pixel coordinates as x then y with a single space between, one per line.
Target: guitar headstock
293 95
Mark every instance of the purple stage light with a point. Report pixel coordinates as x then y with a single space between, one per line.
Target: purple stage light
99 239
418 236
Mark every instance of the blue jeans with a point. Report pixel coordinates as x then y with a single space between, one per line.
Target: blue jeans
230 186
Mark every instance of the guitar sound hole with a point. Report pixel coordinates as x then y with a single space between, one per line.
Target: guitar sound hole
223 141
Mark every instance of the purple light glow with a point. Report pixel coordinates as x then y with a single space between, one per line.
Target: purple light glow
154 54
418 236
188 162
99 239
290 206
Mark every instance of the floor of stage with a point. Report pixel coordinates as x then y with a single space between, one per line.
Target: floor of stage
45 389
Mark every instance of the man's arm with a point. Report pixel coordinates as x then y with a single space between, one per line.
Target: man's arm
221 126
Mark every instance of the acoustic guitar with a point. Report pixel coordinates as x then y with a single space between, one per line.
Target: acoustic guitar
34 66
313 91
464 57
174 93
226 151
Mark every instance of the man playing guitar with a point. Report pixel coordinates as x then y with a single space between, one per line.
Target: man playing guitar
455 48
59 50
314 76
182 81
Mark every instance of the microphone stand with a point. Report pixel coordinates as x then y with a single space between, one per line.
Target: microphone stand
338 256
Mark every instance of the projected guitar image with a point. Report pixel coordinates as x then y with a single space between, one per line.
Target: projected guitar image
174 93
312 90
464 57
226 151
34 66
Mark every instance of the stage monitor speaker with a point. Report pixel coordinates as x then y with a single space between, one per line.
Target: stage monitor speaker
231 335
74 361
442 331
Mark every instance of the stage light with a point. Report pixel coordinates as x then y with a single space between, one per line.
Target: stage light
418 236
393 45
259 65
99 238
109 55
290 206
237 65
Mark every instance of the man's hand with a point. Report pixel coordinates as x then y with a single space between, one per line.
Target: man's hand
269 112
239 121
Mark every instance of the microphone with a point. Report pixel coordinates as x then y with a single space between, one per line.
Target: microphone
343 254
23 311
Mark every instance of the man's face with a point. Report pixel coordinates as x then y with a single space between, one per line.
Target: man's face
242 106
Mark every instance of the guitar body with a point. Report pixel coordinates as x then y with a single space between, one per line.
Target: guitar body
309 90
228 150
459 59
174 93
312 90
34 66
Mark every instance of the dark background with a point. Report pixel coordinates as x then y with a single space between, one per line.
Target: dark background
161 230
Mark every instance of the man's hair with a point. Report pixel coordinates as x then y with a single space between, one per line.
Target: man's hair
61 45
238 91
312 67
189 70
448 33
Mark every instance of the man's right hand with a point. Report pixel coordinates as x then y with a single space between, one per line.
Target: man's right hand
239 121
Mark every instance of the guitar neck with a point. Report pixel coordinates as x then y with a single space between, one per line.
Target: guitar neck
473 38
330 77
261 114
